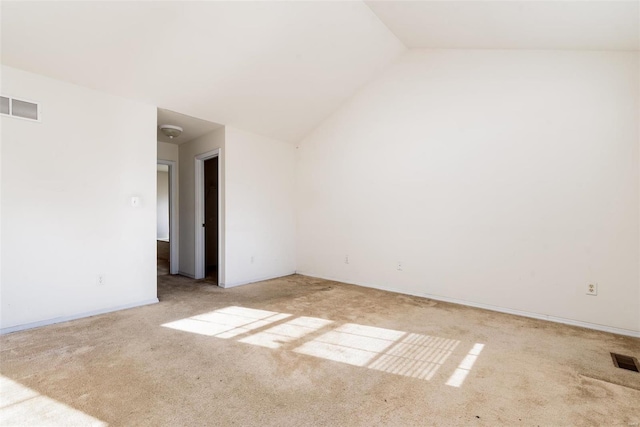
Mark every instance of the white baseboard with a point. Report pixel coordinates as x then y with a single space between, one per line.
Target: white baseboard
260 279
588 325
75 316
189 275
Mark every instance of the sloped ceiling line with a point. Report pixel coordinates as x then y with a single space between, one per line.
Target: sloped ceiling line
280 68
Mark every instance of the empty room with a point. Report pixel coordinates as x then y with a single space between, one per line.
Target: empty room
320 213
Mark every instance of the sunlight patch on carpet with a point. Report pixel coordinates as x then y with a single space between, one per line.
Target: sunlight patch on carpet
387 350
460 374
351 343
227 322
20 405
292 330
416 356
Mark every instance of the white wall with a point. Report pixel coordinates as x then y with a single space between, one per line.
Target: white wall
187 154
66 212
506 179
167 151
257 205
162 204
260 207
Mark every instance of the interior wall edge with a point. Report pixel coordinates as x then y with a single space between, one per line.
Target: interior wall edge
522 313
185 274
62 319
247 282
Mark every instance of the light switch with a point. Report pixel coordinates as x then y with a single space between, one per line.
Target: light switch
135 201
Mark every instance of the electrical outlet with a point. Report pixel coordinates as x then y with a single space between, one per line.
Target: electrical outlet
346 259
592 289
399 266
102 280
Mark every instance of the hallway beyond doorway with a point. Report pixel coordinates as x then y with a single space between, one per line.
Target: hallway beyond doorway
163 258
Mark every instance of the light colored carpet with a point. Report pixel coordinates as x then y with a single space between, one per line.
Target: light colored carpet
300 351
162 250
163 257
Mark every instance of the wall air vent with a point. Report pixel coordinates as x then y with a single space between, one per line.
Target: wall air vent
19 108
4 105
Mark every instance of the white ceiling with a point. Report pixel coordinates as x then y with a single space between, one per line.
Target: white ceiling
191 127
274 68
515 24
279 68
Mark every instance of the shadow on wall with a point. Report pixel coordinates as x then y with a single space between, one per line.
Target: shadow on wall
387 350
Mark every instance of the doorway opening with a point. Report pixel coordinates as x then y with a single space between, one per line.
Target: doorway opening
162 222
166 227
208 247
211 219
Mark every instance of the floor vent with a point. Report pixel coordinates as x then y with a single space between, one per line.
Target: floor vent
625 362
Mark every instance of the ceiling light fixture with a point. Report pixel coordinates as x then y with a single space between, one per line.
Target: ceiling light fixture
171 131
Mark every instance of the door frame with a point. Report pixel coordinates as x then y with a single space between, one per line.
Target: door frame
174 256
199 216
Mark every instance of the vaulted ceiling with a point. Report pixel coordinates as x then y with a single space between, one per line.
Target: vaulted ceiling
514 24
279 68
274 68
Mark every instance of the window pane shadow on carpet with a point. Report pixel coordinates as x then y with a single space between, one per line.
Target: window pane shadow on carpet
395 352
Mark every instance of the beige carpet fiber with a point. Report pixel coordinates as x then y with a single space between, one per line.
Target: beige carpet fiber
298 351
162 257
